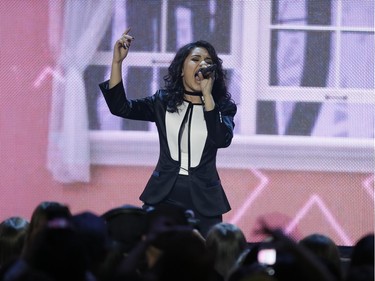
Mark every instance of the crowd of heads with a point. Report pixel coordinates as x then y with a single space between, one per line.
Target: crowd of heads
162 244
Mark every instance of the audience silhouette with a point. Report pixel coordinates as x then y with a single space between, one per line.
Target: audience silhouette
164 244
361 267
326 250
12 238
226 242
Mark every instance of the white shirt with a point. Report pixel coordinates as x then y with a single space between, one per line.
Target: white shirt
186 135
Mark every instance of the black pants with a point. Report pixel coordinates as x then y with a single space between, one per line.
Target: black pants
180 195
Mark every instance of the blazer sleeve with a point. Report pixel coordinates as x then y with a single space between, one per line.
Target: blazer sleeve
118 104
220 124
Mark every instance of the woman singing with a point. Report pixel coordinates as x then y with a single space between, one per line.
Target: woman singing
194 115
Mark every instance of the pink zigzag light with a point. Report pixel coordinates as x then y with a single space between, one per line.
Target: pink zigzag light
368 185
315 199
46 71
253 195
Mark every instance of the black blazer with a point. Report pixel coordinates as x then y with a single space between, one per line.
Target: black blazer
206 190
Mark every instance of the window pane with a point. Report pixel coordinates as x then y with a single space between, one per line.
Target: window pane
301 12
193 20
144 18
326 119
357 60
188 21
358 13
301 58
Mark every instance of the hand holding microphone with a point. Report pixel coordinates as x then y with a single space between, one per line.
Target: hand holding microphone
208 74
207 71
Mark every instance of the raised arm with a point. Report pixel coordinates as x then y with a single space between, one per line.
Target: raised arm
120 51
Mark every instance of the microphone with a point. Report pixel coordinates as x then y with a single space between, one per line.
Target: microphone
206 71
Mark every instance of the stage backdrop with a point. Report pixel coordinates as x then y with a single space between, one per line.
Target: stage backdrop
302 157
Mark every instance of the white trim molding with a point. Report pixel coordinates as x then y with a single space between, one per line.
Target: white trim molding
264 152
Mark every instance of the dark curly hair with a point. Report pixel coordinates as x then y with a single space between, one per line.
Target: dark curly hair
173 80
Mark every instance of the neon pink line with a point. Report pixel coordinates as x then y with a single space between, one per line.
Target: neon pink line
250 199
369 187
314 199
47 70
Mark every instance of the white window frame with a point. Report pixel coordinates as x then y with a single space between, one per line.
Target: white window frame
247 150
